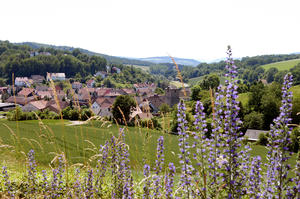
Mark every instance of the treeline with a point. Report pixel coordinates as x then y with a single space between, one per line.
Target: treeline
23 61
110 59
248 68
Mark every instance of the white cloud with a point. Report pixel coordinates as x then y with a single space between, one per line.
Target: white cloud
138 28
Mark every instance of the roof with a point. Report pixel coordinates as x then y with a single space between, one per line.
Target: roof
102 91
128 91
76 83
101 100
145 116
26 91
57 74
37 77
20 100
21 79
41 104
43 94
90 81
253 134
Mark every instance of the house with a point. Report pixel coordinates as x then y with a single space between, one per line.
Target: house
138 113
128 91
76 85
7 106
41 88
52 105
156 100
91 83
149 86
38 79
102 107
44 94
3 90
35 106
103 74
26 92
115 70
21 100
101 92
253 134
56 76
22 82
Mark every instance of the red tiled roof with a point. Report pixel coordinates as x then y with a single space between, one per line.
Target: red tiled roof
41 104
26 91
20 100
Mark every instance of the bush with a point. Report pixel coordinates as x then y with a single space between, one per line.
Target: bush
254 120
262 139
74 114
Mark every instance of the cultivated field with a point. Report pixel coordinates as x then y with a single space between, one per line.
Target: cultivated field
283 65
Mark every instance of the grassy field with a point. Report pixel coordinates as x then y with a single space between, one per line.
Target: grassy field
283 65
178 84
81 142
196 80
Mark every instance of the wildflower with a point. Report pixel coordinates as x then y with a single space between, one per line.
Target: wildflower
278 155
7 182
31 172
186 165
147 184
169 179
159 162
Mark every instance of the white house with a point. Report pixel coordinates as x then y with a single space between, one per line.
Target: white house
101 73
91 83
22 82
76 85
102 107
56 76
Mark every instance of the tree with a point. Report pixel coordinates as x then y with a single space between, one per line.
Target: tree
254 120
122 108
257 91
210 81
195 95
271 74
164 108
159 91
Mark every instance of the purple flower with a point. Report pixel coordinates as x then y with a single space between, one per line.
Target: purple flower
158 167
186 164
278 182
7 182
147 183
169 180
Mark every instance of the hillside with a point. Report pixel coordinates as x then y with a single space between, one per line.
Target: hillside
110 59
282 65
167 59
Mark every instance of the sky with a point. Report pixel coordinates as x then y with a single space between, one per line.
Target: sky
197 29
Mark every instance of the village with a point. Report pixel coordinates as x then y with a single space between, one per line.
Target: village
36 93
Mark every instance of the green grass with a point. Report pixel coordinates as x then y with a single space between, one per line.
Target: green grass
144 68
283 65
178 84
54 137
197 80
296 91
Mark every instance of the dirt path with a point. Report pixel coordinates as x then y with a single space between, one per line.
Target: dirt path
74 123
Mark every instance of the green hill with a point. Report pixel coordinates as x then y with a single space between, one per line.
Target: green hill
110 59
283 65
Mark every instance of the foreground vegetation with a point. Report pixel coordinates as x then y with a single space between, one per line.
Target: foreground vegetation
208 166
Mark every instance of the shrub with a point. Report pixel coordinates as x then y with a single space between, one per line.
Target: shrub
262 139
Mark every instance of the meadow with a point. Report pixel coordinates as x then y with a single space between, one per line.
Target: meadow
283 65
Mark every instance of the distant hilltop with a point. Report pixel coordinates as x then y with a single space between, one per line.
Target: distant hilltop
167 59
